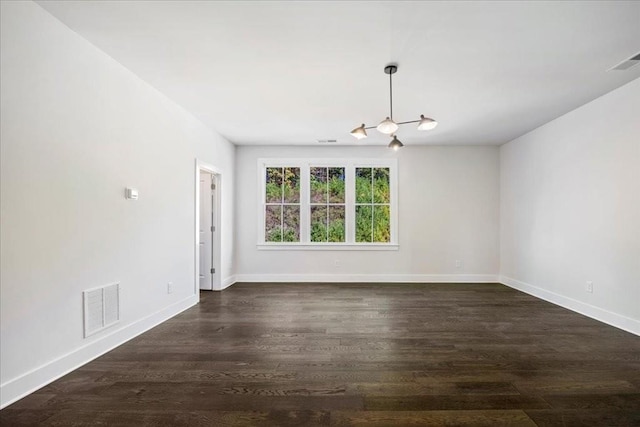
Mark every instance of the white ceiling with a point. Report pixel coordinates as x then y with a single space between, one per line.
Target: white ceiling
293 72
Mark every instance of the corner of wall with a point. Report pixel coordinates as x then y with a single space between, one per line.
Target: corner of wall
614 319
27 383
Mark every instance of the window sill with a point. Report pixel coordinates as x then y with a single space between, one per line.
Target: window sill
328 246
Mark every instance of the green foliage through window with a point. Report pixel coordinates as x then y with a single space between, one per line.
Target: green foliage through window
373 209
325 207
327 197
282 210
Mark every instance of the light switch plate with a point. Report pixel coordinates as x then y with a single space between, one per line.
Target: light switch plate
131 193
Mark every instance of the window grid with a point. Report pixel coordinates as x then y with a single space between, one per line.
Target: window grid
375 207
286 204
328 175
383 207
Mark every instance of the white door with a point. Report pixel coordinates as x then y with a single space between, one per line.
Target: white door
207 230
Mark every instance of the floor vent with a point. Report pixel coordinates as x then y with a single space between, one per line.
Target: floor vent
101 308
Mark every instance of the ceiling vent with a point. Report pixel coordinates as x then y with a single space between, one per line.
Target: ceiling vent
627 63
327 141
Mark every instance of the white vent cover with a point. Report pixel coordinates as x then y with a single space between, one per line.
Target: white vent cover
627 63
101 308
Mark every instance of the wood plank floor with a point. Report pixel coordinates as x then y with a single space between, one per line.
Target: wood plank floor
356 354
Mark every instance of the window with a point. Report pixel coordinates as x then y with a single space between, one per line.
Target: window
328 204
282 205
327 201
373 205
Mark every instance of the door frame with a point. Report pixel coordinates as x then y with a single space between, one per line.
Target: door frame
216 241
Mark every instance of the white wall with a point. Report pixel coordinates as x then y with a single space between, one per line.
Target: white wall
570 209
77 127
448 210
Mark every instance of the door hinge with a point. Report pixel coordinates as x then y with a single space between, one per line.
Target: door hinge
213 271
213 186
213 228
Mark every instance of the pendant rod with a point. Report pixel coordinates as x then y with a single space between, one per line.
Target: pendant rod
390 96
391 69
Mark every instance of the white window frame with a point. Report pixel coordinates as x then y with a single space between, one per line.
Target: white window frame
350 166
327 204
282 203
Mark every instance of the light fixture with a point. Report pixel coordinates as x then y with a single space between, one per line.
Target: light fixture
388 126
395 143
426 123
359 132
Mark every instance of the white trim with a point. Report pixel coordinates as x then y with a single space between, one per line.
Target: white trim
271 246
370 278
350 164
617 320
228 282
217 285
27 383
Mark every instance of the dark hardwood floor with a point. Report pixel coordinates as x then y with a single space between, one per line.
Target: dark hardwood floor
353 354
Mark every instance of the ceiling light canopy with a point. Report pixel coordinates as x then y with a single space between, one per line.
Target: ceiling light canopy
388 126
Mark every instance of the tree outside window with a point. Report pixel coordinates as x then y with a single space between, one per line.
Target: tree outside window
373 205
327 204
314 204
282 204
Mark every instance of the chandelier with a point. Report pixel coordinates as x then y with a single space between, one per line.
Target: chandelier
388 126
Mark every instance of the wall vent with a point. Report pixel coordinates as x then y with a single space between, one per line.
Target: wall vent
327 141
101 308
627 63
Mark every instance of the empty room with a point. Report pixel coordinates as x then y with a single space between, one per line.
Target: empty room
292 213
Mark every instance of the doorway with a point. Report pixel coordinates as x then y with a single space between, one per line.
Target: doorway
207 215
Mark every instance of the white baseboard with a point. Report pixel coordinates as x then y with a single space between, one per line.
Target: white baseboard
622 322
37 378
370 278
29 382
228 281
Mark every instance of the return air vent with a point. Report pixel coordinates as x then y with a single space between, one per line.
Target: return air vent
101 308
628 63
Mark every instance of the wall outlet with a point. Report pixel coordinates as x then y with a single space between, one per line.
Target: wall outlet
336 263
589 286
458 264
170 287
